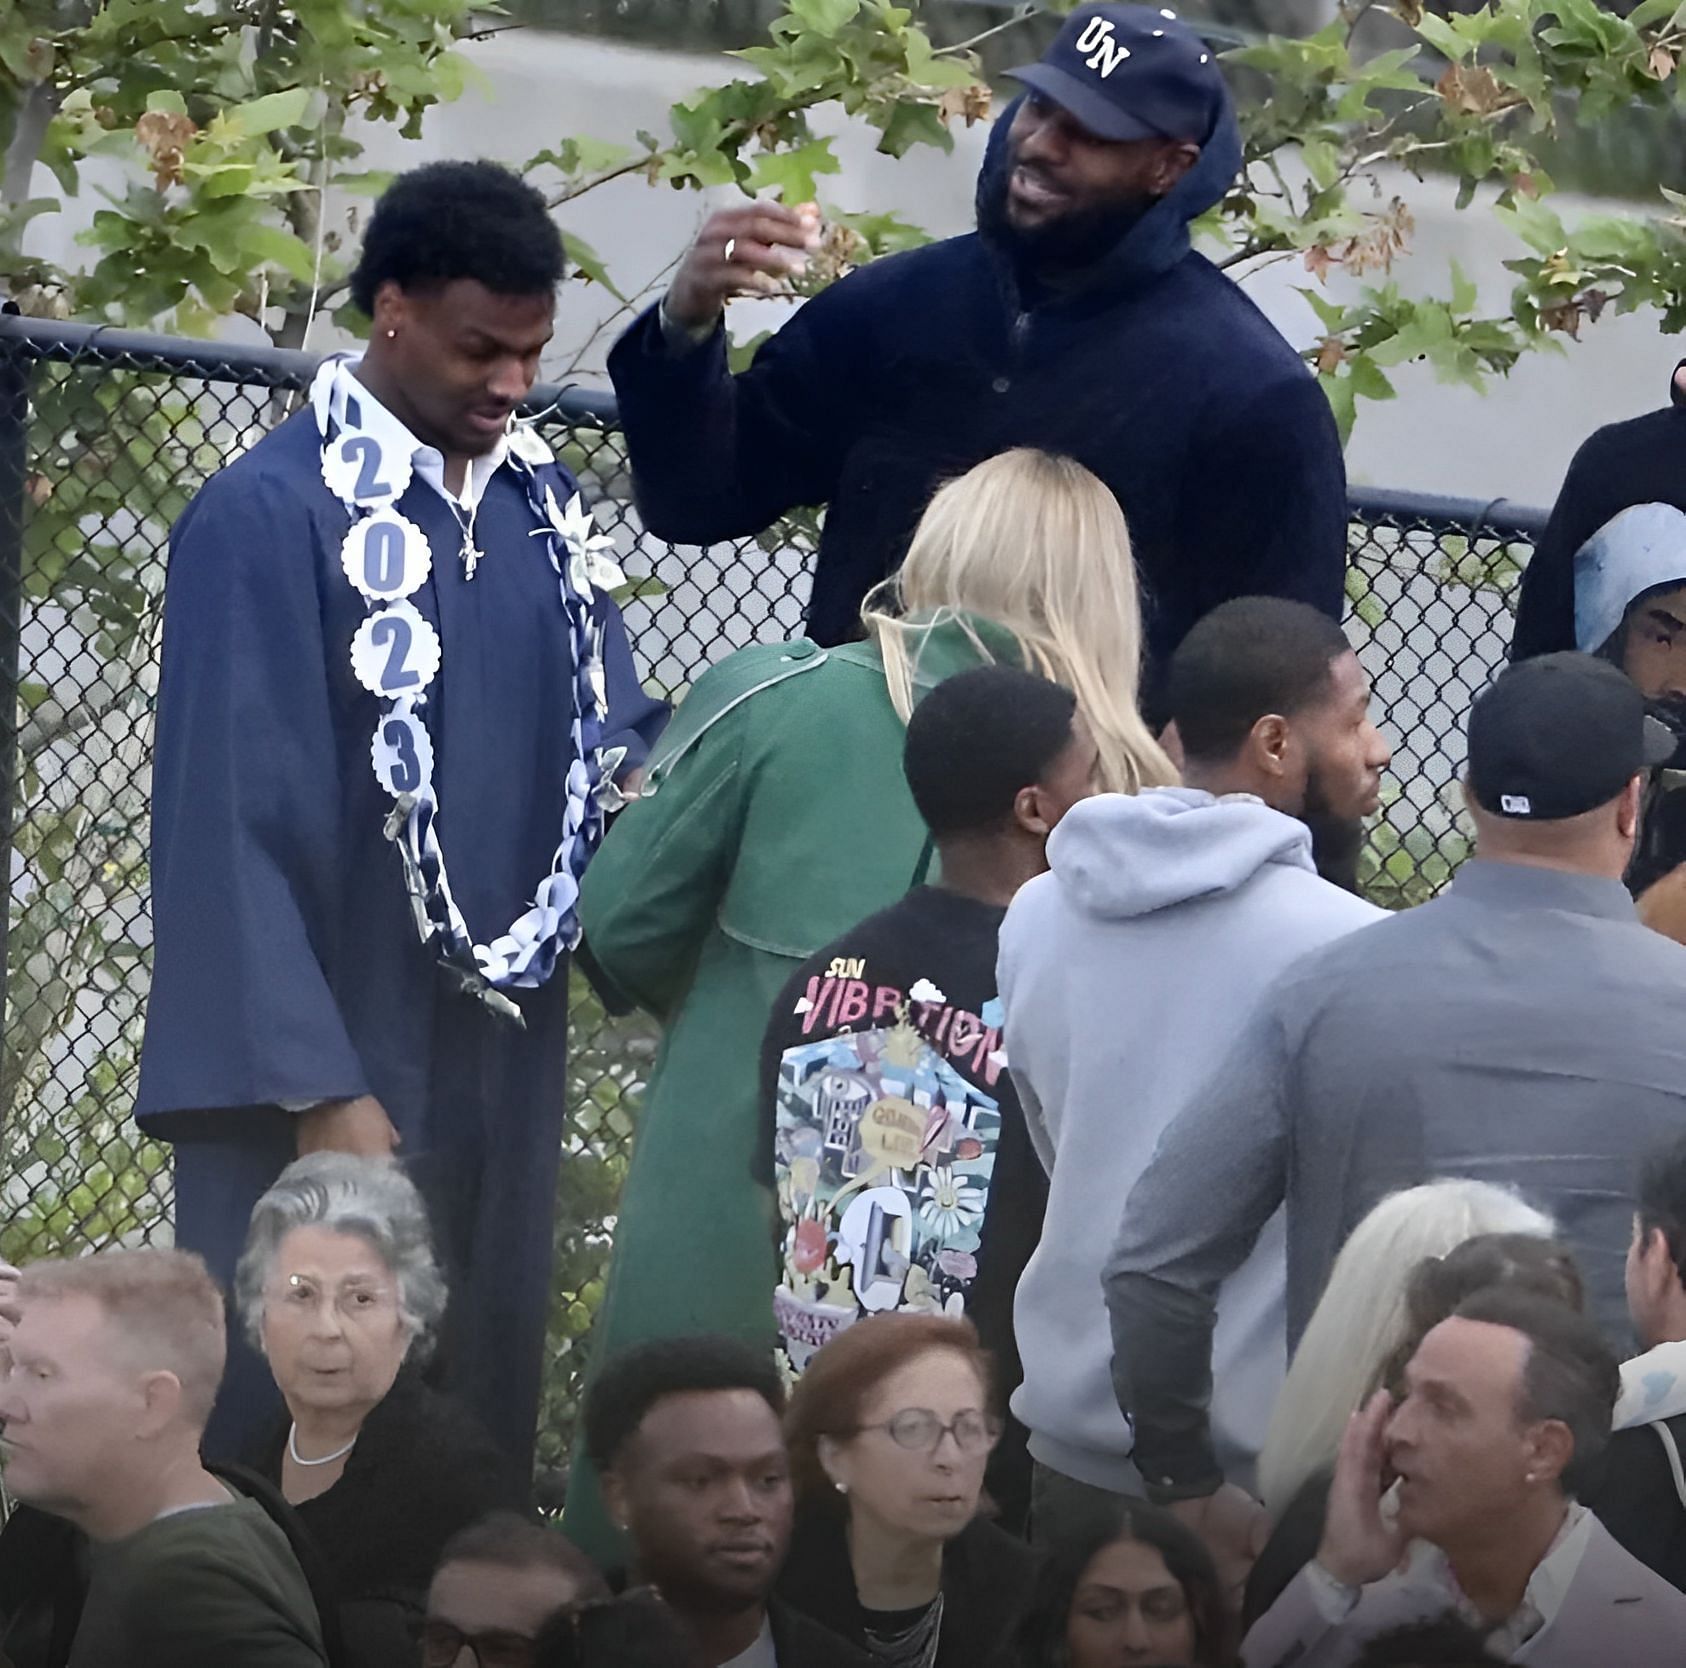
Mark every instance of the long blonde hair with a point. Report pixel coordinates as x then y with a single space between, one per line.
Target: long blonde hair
1361 1319
1036 544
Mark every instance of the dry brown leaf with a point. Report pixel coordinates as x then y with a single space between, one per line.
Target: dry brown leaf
1661 62
1318 260
1473 89
163 134
1330 354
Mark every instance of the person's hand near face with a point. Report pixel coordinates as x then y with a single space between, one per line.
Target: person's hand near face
1359 1545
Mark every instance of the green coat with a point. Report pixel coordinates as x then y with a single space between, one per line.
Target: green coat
774 817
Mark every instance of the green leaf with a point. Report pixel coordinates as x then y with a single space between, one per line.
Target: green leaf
1463 291
1535 224
1368 382
791 173
908 124
824 17
275 246
1338 390
267 114
1322 162
167 101
588 263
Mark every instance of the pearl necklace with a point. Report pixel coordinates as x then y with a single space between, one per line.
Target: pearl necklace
326 1459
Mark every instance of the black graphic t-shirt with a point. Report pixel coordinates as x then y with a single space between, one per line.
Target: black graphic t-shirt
905 1177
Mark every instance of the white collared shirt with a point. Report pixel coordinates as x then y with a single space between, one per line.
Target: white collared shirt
1547 1587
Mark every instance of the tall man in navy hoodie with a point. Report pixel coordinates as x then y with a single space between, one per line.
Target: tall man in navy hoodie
1077 318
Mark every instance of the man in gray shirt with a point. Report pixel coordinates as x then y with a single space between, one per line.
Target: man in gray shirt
1522 1029
109 1375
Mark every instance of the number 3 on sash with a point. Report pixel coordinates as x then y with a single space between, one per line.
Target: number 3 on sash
403 755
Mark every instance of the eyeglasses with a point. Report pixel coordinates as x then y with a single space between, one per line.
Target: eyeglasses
442 1644
919 1430
355 1302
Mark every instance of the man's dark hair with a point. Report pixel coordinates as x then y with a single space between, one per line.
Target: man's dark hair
977 740
1570 1374
1248 658
1661 1198
1447 1643
452 220
511 1541
636 1379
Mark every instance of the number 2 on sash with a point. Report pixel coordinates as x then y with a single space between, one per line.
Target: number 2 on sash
367 454
394 631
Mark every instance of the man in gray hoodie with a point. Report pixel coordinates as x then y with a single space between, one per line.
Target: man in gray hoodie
1125 970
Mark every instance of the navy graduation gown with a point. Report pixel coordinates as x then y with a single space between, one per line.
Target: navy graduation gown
287 966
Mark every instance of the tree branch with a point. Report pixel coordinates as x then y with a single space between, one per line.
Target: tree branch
35 114
1022 15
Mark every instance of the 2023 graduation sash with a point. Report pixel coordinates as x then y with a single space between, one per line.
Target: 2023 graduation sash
396 655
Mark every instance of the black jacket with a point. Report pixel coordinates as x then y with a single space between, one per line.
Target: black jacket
801 1643
987 1578
1154 370
423 1468
1637 1501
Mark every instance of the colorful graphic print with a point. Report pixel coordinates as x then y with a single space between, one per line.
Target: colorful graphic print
884 1155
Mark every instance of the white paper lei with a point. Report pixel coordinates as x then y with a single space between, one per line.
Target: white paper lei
396 655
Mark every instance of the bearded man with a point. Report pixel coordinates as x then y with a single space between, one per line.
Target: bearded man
1076 319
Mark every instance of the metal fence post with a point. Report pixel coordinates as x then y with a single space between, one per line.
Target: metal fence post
16 368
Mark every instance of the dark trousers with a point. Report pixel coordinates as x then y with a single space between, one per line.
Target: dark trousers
485 1153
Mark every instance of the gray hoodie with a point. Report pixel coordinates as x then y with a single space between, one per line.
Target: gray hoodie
1126 971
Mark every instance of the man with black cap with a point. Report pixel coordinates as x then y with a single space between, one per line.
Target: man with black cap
1523 1028
1077 319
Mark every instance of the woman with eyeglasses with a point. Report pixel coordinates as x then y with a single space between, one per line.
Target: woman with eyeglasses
338 1287
890 1428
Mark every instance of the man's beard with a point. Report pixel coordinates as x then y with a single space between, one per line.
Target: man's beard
1073 241
1336 842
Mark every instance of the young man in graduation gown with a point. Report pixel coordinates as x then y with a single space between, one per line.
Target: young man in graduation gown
395 701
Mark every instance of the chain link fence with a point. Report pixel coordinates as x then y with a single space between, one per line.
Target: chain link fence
104 438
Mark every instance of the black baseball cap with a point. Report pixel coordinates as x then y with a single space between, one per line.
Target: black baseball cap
1131 72
1559 735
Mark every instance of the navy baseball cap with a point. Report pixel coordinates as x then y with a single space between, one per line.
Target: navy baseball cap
1559 735
1130 72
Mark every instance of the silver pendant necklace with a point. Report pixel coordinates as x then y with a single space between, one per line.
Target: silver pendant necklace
472 556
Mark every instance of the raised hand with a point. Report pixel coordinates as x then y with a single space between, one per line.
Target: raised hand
740 251
1359 1544
1234 1527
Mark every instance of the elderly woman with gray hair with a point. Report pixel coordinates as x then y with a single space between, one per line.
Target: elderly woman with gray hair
338 1287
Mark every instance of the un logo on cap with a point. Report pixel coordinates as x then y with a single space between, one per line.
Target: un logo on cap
1105 54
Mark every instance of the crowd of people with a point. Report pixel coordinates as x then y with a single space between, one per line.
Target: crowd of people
1068 1225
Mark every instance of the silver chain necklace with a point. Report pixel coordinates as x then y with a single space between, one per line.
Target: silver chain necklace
913 1647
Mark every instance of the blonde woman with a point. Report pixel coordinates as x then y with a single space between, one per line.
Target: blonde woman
775 816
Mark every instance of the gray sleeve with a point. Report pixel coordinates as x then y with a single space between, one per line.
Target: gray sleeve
1189 1222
